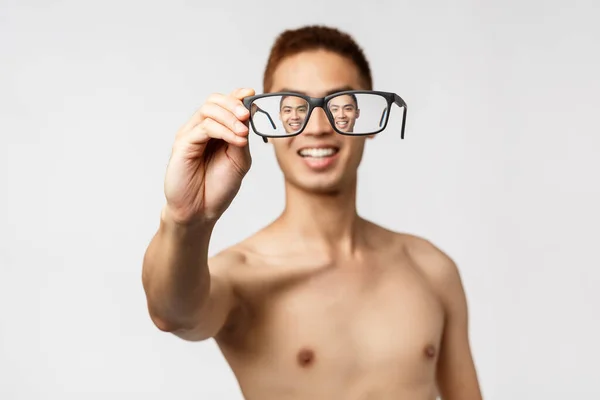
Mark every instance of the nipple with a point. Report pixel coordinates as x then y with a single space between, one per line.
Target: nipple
305 357
430 351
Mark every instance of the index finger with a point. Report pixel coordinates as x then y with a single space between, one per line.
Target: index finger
231 102
240 93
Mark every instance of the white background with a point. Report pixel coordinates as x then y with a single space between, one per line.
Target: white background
499 168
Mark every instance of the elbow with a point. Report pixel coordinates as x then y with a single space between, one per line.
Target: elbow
181 330
168 325
169 313
162 324
167 320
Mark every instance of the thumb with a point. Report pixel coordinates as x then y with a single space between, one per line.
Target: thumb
240 156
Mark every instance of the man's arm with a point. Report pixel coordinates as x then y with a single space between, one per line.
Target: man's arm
184 296
457 376
456 373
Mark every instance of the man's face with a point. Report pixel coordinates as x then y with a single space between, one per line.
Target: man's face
292 113
319 159
345 112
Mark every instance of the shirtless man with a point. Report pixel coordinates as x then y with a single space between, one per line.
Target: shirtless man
321 304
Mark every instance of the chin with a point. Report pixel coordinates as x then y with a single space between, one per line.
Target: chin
321 185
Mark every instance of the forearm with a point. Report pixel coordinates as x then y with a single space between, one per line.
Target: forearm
176 278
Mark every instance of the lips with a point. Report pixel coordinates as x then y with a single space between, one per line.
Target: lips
319 159
318 152
341 124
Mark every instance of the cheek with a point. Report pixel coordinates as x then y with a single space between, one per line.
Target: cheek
355 147
281 147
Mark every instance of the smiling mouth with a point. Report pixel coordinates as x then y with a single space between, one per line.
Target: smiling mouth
318 152
295 125
341 124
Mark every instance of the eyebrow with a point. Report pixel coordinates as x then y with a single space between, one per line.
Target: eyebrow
344 105
340 89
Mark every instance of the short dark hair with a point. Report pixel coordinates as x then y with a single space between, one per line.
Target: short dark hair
316 37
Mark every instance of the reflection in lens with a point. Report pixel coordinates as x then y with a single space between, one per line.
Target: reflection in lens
345 111
292 113
279 115
358 113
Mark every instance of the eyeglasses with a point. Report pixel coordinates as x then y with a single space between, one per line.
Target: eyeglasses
350 112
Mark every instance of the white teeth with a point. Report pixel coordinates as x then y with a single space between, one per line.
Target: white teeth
322 152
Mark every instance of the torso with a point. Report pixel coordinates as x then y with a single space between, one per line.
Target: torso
310 329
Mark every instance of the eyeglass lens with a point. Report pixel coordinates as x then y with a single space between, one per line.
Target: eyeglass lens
355 113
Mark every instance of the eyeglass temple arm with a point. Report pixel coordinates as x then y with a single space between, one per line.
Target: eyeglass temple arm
382 117
258 109
268 116
401 103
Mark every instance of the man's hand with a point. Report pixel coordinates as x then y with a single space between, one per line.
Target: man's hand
210 157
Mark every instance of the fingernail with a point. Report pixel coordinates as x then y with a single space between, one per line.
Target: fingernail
241 111
240 127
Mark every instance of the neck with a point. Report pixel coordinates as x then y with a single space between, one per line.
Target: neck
327 223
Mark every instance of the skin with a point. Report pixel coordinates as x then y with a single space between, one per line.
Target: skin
321 303
345 112
292 113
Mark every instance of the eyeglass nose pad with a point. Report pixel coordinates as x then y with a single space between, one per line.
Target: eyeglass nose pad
318 122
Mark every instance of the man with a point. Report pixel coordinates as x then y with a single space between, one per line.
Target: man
345 111
321 303
292 113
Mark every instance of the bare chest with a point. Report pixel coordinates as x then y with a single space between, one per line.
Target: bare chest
353 321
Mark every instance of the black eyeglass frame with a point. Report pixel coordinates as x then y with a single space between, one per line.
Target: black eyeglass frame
314 102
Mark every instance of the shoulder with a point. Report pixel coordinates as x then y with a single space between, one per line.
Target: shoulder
228 256
429 257
421 251
226 262
436 266
235 259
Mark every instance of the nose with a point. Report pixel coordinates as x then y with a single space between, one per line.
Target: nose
318 124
